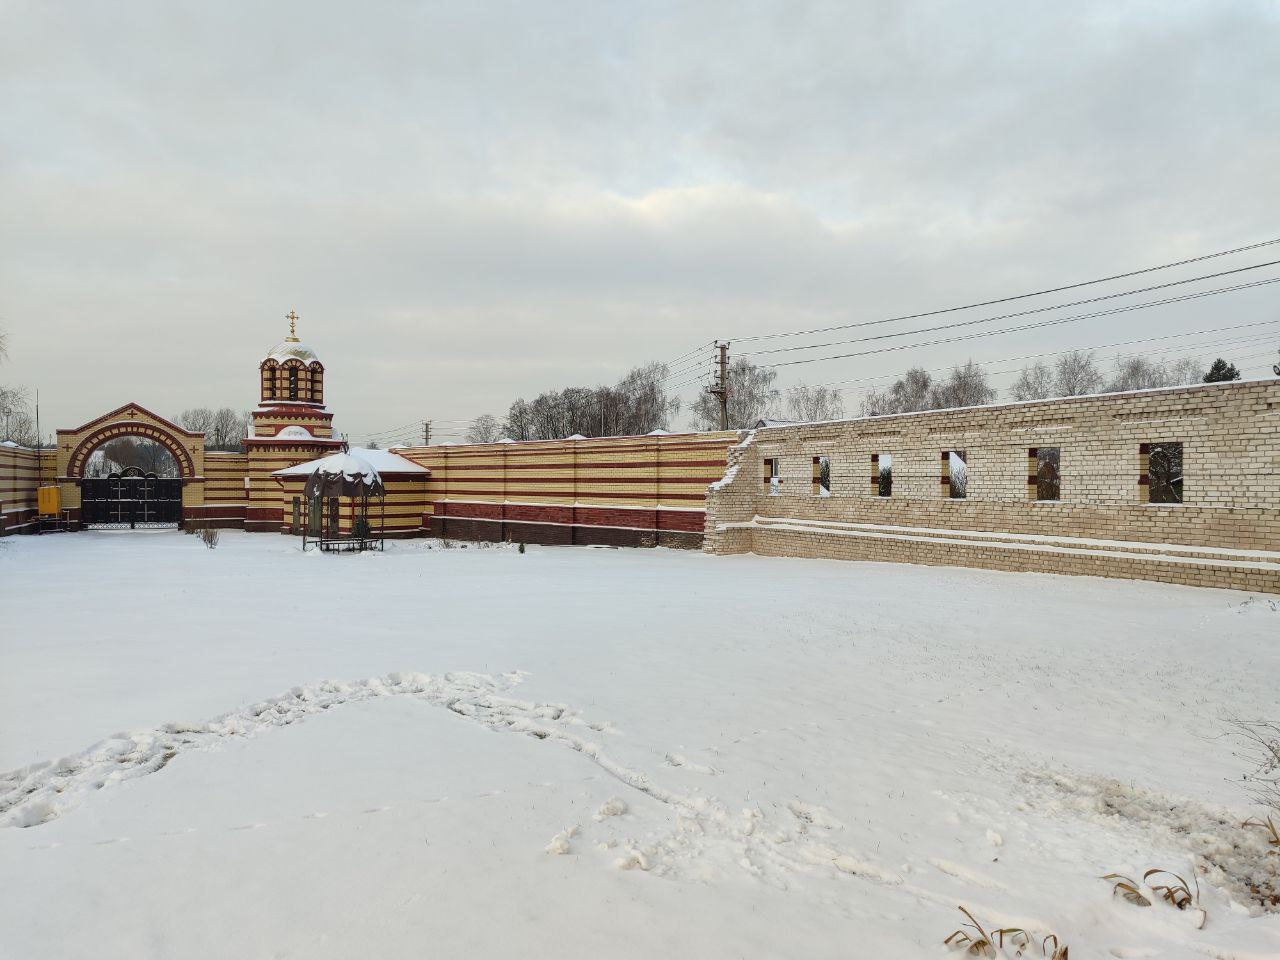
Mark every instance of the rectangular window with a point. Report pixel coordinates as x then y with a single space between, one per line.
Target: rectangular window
773 474
822 476
882 474
293 383
955 474
1162 476
1044 479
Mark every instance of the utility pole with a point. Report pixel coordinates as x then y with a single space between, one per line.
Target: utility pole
426 433
720 389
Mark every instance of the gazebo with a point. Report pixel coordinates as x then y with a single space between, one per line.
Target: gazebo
331 524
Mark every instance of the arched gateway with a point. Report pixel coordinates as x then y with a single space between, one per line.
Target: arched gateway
129 499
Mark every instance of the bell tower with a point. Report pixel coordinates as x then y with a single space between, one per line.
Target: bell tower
291 424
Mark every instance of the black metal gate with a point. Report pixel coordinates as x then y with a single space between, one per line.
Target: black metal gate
131 499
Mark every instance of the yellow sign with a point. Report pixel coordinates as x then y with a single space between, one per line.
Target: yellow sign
49 500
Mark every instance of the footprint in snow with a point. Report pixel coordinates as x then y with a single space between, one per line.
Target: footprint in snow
677 760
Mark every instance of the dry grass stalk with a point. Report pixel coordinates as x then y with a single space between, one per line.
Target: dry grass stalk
980 943
1269 826
1173 890
1128 889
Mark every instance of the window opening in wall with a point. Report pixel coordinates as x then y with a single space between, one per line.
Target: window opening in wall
1164 472
1045 478
955 474
822 476
882 474
773 474
293 383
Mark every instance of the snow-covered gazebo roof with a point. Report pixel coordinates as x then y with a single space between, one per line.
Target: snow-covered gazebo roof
382 462
358 472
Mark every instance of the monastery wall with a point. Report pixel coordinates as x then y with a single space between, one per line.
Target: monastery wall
20 473
624 491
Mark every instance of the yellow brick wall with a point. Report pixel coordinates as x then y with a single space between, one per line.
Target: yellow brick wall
1231 455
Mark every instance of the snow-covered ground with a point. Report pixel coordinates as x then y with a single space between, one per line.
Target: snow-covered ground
566 753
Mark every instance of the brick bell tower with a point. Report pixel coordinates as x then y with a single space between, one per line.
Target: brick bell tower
290 424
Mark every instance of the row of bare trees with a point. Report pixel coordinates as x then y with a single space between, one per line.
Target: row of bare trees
1073 374
638 403
223 429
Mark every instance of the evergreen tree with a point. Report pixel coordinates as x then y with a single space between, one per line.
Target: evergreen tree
1221 371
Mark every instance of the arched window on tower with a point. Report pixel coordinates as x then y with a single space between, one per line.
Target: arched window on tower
293 383
269 380
317 382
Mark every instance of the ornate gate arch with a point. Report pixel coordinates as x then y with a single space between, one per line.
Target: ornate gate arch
75 447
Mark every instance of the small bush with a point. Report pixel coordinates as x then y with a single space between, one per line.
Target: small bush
1260 747
210 537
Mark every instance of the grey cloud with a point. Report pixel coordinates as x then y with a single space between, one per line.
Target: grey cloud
503 198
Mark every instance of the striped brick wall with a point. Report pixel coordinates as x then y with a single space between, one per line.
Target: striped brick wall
627 491
20 474
225 493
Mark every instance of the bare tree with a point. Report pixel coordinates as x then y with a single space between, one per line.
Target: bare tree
642 401
519 422
814 403
1186 370
483 429
752 397
1138 373
198 419
147 455
637 404
1076 374
965 386
15 419
223 429
1034 383
908 394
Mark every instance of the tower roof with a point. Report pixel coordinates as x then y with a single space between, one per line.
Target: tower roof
291 348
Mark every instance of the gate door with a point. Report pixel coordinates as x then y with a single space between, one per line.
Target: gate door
131 499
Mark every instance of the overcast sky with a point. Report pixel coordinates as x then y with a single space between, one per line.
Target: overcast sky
469 202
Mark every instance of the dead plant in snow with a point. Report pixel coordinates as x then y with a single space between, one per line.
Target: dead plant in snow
1170 888
210 536
1260 747
975 941
1273 841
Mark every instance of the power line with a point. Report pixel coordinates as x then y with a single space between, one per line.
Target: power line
1008 370
1101 346
1020 313
1030 326
675 360
1021 296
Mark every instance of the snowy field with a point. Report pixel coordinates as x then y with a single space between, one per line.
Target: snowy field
251 752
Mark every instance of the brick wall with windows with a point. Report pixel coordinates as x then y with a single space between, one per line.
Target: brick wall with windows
1059 485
